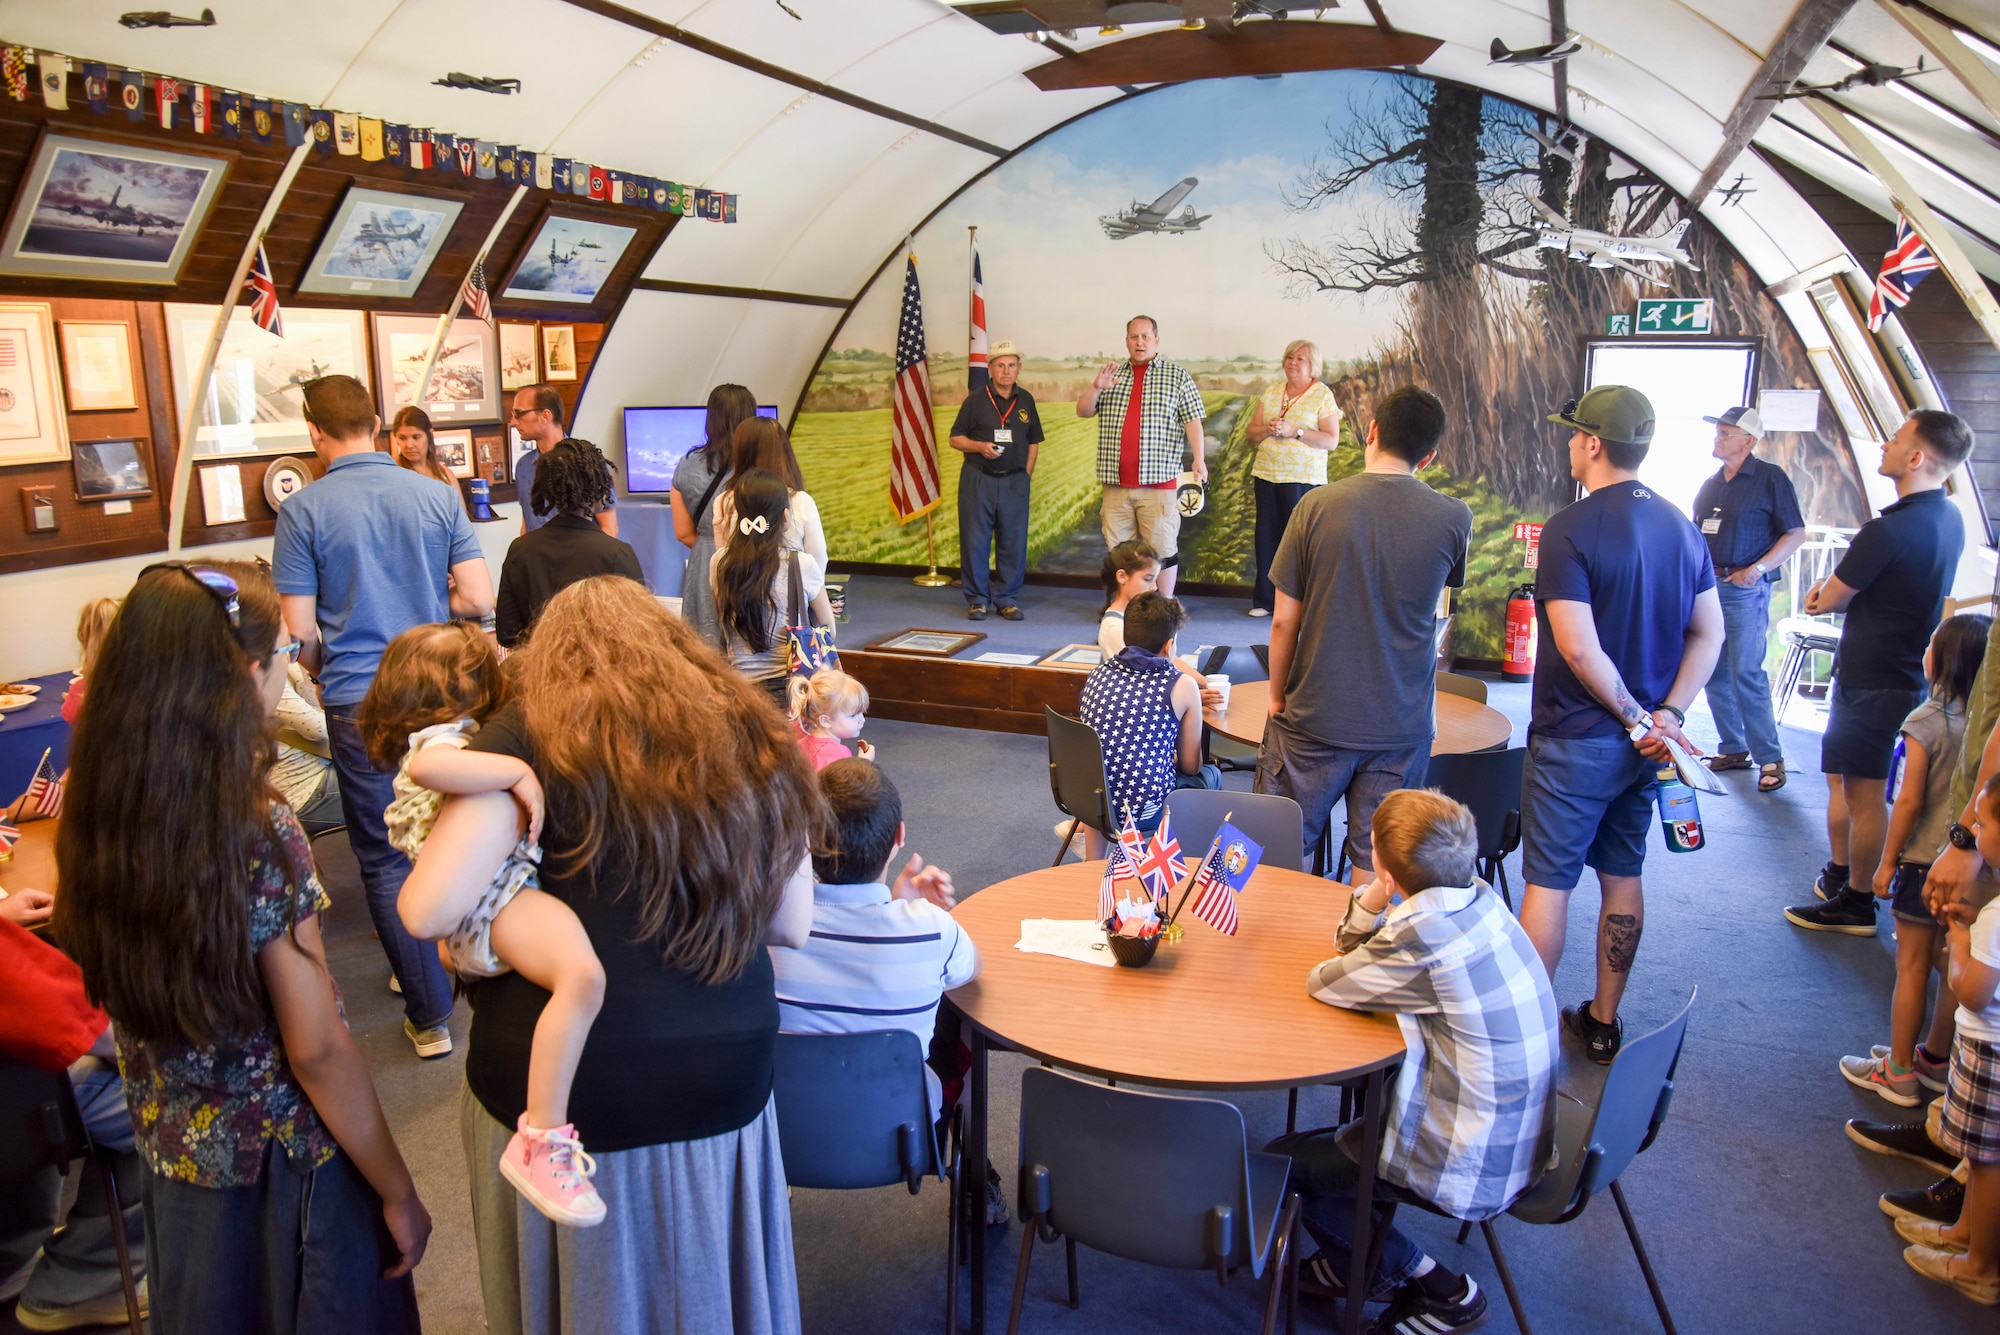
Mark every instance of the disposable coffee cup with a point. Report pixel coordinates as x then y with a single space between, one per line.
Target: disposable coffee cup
1218 681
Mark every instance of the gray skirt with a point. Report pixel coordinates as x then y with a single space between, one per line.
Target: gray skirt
697 1240
697 597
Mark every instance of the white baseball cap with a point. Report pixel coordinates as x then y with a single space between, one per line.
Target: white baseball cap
1745 420
1191 495
1004 348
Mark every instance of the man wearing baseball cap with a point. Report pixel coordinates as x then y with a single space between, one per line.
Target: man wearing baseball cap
1750 516
999 432
1630 629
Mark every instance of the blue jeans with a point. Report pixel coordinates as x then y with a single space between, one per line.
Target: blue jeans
365 793
992 510
1739 692
1327 1178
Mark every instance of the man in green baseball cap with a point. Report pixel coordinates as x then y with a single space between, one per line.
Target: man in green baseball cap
1629 627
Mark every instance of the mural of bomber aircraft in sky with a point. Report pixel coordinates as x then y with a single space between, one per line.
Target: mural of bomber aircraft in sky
1157 217
1601 250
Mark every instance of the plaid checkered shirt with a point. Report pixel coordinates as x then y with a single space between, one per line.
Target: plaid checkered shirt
1168 401
1473 1114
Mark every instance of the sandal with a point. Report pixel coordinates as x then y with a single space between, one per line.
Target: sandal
1771 777
1728 760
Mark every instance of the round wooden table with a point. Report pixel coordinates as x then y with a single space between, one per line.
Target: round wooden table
33 866
1210 1012
1462 725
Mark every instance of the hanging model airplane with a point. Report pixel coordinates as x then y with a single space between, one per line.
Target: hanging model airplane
1733 192
1532 55
1601 250
1552 143
1868 76
161 18
1157 217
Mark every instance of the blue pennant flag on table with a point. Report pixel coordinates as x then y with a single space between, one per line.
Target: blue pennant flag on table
1231 859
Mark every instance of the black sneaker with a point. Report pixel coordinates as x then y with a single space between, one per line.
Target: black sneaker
1940 1202
1824 886
976 612
1009 612
1600 1040
1849 912
1900 1140
1414 1312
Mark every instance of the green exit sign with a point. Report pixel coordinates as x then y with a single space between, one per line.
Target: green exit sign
1619 325
1676 315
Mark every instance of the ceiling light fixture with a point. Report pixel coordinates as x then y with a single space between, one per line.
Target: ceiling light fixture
1193 25
1111 30
1979 44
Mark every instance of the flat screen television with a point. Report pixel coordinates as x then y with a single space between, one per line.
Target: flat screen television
657 438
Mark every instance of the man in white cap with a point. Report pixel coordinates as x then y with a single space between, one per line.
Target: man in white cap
999 432
1749 514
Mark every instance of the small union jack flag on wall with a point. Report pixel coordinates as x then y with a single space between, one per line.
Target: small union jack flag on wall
263 295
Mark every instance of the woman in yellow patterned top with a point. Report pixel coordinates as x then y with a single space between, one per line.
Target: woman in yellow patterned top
1293 426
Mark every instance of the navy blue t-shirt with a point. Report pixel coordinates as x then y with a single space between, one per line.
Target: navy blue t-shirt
1900 565
1640 564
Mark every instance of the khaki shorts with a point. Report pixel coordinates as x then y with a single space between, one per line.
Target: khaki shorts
1150 514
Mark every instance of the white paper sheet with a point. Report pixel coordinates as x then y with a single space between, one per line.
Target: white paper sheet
1080 941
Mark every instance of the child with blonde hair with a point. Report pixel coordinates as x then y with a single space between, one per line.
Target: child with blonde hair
436 686
829 710
91 624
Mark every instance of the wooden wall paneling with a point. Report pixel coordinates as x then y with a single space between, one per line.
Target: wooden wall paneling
993 697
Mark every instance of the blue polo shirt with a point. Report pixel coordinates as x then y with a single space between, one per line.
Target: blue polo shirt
372 543
1639 564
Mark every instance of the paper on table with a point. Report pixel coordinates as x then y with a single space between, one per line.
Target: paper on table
1080 941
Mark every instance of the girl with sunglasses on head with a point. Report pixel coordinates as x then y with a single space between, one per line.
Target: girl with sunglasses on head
190 903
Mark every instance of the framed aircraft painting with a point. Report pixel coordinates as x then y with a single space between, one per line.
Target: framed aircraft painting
380 244
465 384
255 402
570 262
104 211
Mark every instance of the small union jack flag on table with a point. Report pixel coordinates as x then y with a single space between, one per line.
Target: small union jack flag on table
9 836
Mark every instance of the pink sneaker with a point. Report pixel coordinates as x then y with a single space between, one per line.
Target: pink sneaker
552 1171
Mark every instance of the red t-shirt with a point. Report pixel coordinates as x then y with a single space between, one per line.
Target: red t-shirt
823 751
45 1019
1128 439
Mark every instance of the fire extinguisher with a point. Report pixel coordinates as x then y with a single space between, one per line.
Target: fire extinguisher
1518 660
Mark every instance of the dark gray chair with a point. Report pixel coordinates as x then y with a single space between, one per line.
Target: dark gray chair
1275 822
1076 778
853 1111
41 1128
1489 783
1200 1199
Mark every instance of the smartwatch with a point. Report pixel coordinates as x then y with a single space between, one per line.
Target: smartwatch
1961 837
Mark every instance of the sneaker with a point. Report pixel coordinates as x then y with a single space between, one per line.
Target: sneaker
1824 887
108 1310
998 1212
1847 912
1926 1233
977 612
1931 1074
395 985
1940 1202
552 1171
1075 845
1009 612
1873 1074
1260 611
1414 1312
1901 1140
429 1043
1932 1263
1600 1040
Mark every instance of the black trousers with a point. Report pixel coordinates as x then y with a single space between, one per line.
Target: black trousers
1275 503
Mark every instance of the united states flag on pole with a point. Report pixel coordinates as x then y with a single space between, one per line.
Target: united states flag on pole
476 300
1231 859
45 794
1908 263
263 294
975 357
913 470
1117 873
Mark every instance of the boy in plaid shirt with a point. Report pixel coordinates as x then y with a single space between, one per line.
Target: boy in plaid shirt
1472 1115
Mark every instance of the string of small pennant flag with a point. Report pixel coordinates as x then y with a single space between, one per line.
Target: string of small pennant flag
204 109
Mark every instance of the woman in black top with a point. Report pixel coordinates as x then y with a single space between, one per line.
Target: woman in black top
679 812
574 481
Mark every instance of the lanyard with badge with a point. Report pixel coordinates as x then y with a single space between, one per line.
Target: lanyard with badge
1003 435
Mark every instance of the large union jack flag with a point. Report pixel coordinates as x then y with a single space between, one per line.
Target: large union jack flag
1908 263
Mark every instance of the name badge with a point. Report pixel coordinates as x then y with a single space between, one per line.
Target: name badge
1711 526
1003 437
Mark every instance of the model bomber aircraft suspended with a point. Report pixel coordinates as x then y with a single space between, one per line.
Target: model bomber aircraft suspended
1157 217
1500 54
1601 250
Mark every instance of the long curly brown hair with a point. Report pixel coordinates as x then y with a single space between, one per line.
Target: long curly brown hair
169 800
655 753
429 675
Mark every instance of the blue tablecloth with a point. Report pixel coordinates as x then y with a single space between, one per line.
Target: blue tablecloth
26 732
649 527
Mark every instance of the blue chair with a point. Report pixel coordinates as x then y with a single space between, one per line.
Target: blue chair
854 1111
1275 822
1202 1199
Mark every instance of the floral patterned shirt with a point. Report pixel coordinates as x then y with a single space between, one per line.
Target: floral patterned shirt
202 1114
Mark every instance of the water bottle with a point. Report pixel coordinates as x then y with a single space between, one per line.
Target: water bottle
1680 818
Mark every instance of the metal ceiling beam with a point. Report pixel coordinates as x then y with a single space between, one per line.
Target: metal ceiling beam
1801 40
1951 257
1977 76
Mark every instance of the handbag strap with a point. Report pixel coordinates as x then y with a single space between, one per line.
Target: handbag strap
795 589
701 506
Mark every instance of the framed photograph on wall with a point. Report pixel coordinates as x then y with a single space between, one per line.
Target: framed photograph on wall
111 470
380 244
110 212
97 365
519 367
465 386
256 399
559 351
455 450
33 429
490 453
570 261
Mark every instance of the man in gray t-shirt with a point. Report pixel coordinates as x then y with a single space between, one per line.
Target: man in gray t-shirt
1353 657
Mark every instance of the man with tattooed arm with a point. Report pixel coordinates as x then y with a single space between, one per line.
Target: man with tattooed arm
1630 627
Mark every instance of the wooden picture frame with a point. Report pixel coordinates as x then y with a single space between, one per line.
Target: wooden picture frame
922 643
111 470
72 218
380 243
465 386
520 355
259 377
97 365
33 426
559 351
1074 658
455 450
573 260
